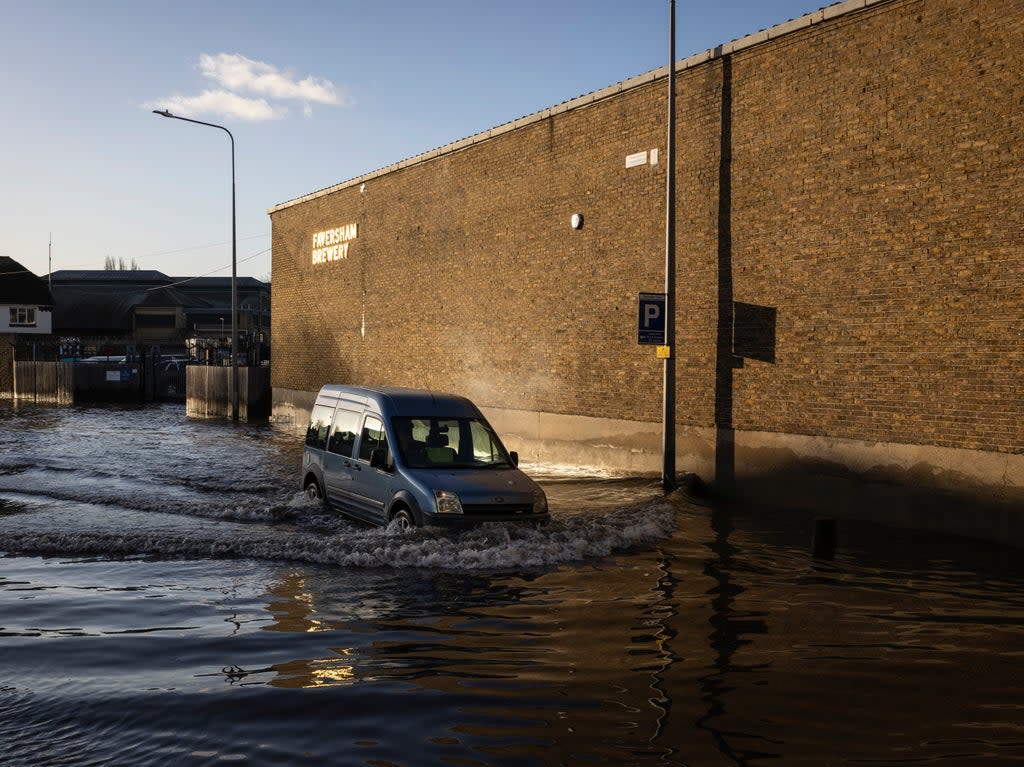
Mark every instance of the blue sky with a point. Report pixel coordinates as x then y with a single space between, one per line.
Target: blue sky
315 93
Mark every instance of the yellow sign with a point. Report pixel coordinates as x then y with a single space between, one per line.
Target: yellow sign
663 352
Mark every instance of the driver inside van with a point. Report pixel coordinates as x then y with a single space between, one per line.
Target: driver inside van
413 451
438 450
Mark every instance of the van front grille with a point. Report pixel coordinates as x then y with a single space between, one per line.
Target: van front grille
503 509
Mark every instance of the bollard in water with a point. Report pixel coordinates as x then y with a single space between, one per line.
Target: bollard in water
823 545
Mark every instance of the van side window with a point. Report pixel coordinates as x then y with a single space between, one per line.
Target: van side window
373 438
319 423
343 433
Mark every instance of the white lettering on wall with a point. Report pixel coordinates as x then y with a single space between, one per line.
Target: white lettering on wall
332 244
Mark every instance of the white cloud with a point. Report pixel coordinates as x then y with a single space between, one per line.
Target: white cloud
220 103
236 74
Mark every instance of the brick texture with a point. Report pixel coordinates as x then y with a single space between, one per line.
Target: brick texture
857 183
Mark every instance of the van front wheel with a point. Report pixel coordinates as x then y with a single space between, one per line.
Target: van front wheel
403 520
313 492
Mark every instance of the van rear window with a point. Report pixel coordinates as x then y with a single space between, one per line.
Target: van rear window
343 435
319 424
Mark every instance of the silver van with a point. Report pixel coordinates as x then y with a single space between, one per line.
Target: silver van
415 457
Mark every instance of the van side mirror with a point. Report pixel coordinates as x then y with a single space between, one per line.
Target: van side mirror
379 458
515 458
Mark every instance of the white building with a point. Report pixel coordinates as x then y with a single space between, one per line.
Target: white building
26 305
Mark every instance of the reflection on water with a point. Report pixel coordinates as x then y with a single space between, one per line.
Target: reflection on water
167 597
729 628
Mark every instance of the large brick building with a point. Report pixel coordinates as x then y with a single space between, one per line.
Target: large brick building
850 269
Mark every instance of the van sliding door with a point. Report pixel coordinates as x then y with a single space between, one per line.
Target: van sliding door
371 488
338 460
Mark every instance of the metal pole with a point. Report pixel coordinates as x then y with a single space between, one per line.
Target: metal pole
234 262
668 472
234 291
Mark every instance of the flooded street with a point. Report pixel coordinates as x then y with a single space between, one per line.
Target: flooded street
168 597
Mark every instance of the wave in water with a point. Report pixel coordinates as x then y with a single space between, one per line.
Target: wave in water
310 536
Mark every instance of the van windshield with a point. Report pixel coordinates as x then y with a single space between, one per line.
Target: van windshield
452 443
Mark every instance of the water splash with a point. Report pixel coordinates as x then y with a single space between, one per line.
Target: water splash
300 532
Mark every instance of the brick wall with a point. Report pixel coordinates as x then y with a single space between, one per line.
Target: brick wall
848 194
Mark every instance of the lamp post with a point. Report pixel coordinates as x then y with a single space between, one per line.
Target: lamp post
668 472
234 262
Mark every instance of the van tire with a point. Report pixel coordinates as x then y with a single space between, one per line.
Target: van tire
314 493
403 519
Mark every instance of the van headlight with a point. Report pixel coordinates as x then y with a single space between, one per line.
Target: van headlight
540 502
447 502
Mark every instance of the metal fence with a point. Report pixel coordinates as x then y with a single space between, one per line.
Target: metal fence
197 351
115 369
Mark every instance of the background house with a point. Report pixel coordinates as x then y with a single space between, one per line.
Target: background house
26 310
26 305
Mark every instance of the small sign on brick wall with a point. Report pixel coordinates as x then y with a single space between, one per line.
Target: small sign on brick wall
641 158
633 160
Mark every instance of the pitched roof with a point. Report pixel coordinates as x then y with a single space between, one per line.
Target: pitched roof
108 276
219 283
94 307
165 297
20 286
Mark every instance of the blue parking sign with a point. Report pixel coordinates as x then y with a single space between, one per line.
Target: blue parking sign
650 327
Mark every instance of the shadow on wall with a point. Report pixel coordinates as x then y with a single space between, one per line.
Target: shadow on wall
744 330
748 331
753 333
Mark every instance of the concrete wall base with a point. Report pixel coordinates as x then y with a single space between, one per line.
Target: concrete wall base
291 408
972 493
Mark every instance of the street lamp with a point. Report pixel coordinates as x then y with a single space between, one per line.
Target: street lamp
234 262
668 471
